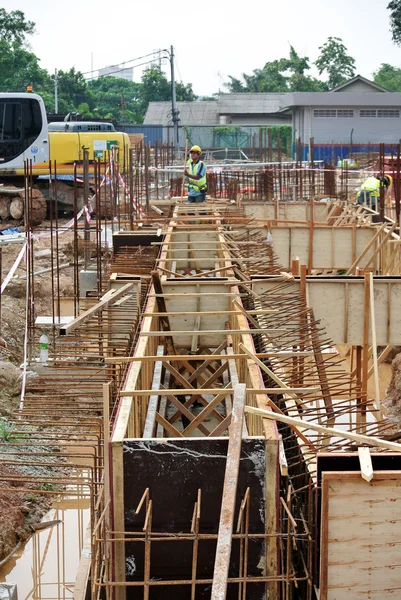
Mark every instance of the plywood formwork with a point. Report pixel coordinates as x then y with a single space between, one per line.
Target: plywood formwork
339 305
360 550
288 211
202 331
323 247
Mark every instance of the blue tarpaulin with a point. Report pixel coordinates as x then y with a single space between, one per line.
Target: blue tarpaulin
10 230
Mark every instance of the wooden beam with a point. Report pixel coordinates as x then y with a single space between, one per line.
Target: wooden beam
224 539
282 458
110 298
374 343
333 431
352 268
210 313
204 357
150 422
202 391
191 332
282 386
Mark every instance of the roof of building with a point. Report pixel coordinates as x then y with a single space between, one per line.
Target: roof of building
357 91
191 113
250 103
360 79
348 99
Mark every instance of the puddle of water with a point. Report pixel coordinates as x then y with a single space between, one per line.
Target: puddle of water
45 568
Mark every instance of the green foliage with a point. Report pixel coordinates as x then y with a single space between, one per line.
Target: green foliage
116 98
335 61
6 430
227 129
279 76
107 97
395 20
47 487
14 27
156 87
19 68
282 132
389 77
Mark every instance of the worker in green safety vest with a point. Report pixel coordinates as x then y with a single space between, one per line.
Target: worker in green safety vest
369 193
196 174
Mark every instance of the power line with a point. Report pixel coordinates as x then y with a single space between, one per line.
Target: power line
125 63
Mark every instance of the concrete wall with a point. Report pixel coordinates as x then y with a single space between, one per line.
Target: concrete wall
337 130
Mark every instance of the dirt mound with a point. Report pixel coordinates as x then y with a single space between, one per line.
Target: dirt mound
10 378
393 393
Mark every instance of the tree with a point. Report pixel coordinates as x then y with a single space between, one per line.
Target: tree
14 27
334 59
155 87
235 85
116 98
395 20
388 77
73 91
282 75
20 68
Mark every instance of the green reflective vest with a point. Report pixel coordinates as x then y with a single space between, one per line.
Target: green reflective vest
372 185
198 185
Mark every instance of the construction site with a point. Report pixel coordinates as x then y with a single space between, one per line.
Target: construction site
219 413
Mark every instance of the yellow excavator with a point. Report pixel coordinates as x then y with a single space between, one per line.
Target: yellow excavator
26 138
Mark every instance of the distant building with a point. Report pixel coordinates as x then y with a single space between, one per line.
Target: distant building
118 72
229 109
351 117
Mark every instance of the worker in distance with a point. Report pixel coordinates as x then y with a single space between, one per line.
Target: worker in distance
369 192
196 176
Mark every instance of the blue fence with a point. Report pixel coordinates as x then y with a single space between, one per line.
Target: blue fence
332 153
152 133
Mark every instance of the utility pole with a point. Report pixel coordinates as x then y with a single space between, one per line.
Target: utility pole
174 111
55 92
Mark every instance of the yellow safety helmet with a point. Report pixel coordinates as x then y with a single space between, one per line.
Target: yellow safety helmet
196 149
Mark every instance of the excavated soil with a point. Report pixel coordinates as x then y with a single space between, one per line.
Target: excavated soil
18 510
393 394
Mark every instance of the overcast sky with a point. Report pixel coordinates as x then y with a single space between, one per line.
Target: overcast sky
211 39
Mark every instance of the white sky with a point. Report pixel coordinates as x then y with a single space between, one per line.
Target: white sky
211 40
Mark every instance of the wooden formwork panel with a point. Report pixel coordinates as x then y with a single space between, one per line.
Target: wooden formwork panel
360 554
332 247
338 304
197 296
287 211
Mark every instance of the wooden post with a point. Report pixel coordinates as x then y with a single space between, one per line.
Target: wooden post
295 267
224 540
311 234
374 342
185 166
365 349
358 351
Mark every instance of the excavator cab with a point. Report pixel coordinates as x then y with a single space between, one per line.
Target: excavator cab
23 131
